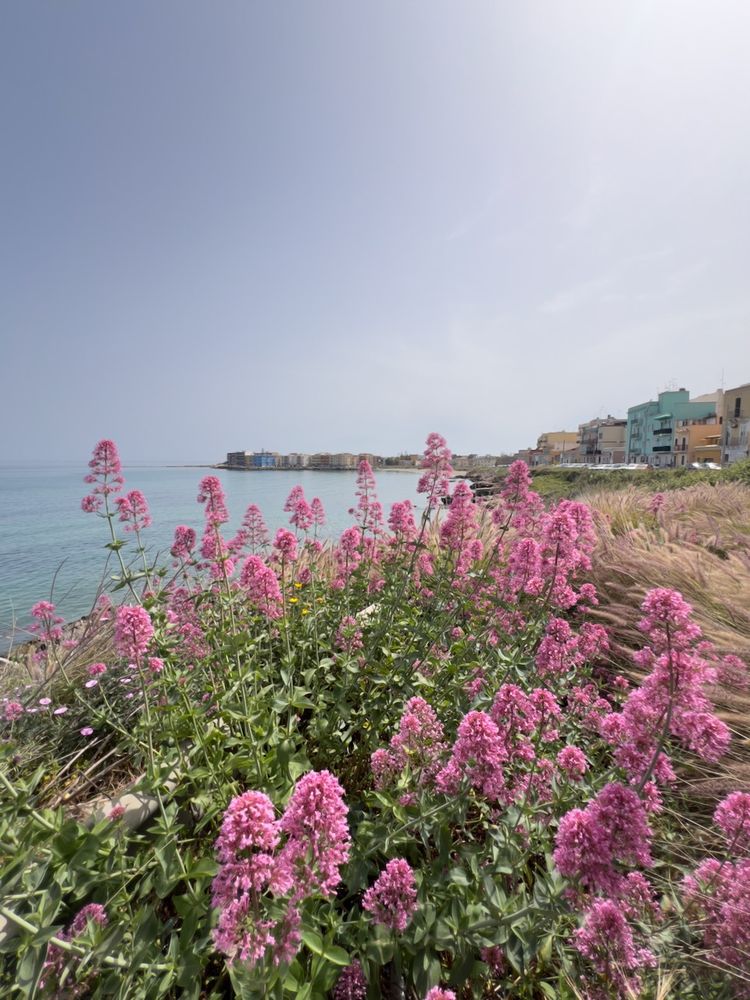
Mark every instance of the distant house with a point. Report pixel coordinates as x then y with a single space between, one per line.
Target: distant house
555 448
736 438
602 441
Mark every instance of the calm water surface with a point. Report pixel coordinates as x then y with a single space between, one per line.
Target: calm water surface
50 549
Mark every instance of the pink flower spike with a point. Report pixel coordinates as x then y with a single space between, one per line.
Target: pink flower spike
392 900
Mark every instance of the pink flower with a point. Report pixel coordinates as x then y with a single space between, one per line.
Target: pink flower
87 731
133 631
286 545
351 984
105 475
732 816
318 839
45 701
318 513
184 542
211 494
719 896
91 683
262 586
606 939
348 636
392 900
47 624
299 508
437 993
95 669
368 512
572 762
256 532
495 958
13 710
134 511
92 915
436 461
478 755
612 828
61 710
401 520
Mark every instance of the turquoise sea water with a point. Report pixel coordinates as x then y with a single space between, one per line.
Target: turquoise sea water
50 549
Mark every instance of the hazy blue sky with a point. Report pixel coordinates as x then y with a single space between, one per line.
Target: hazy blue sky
341 225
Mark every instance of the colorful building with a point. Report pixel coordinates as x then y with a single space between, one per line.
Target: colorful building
602 441
698 441
555 448
736 438
652 425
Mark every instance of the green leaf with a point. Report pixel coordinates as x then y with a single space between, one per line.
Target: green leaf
330 952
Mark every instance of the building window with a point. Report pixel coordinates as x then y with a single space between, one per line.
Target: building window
737 406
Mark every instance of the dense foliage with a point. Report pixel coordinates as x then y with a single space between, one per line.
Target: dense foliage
554 481
400 765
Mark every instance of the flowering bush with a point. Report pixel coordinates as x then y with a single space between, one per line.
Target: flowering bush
396 764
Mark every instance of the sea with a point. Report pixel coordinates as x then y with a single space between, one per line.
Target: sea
51 550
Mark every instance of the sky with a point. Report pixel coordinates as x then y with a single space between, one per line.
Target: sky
340 226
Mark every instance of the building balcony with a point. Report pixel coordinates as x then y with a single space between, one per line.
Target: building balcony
661 447
662 430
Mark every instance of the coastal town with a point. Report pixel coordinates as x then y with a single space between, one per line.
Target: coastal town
675 430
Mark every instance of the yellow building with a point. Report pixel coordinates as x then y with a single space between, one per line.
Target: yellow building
556 447
698 441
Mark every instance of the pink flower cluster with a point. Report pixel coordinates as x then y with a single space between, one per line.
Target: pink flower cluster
299 508
477 756
519 507
133 510
285 545
438 993
12 710
214 549
184 543
418 745
592 843
348 635
368 512
255 867
91 916
671 701
392 900
133 631
718 893
436 462
105 475
401 521
351 984
561 651
262 586
606 940
47 625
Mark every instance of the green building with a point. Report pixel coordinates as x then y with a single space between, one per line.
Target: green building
652 425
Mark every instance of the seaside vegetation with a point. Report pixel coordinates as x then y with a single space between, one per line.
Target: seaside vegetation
554 482
490 749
